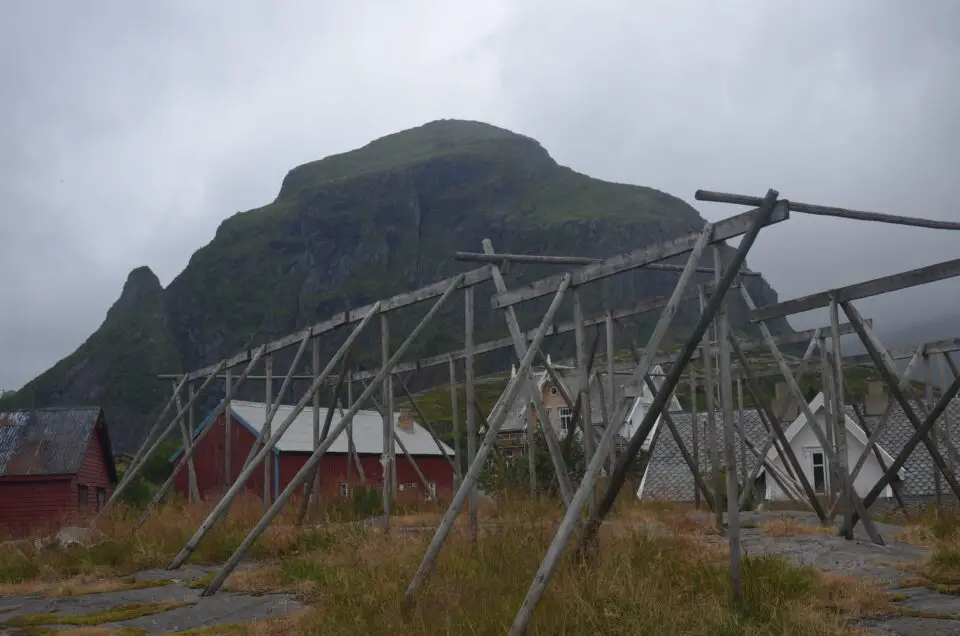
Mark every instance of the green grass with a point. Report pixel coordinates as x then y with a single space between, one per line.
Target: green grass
114 615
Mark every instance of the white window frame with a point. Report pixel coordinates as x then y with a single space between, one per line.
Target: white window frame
344 490
810 453
566 418
431 490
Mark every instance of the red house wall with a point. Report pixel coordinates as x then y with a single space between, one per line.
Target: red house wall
33 504
334 471
210 458
42 503
93 474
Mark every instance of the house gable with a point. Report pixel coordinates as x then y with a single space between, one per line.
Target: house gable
816 406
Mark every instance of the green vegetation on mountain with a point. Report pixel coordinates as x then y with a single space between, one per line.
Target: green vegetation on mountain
362 225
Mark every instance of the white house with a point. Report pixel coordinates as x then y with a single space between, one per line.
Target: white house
806 446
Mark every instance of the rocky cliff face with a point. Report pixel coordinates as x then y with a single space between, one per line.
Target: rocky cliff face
367 224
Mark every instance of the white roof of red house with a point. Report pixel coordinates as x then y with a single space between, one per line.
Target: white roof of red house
367 430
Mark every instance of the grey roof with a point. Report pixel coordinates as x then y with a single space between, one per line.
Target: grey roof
49 441
668 477
919 466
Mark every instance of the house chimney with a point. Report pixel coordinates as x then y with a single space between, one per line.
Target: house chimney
875 402
405 422
784 404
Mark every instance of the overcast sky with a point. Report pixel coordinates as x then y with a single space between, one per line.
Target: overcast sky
130 130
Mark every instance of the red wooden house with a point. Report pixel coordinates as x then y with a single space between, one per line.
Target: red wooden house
337 479
55 463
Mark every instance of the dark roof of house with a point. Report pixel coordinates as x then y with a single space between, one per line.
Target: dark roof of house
668 478
50 441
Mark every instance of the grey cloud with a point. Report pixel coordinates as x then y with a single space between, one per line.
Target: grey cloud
131 130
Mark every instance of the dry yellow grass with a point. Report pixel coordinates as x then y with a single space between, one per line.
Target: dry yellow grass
667 576
787 527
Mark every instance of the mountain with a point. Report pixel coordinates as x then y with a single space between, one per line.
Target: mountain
362 225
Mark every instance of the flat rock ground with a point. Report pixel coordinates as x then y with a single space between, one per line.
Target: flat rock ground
859 557
220 609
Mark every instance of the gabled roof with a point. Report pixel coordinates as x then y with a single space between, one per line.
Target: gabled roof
816 405
51 441
367 431
668 477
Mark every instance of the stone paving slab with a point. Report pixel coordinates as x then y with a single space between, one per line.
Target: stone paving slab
219 609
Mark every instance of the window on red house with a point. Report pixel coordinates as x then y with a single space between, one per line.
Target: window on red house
82 498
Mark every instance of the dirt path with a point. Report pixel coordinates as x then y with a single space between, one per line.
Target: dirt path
195 612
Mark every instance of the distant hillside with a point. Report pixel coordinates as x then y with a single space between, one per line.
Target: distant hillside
362 225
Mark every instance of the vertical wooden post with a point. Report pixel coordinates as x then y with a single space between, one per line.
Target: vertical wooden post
840 417
586 419
612 396
730 457
351 444
695 431
709 386
743 430
228 436
455 421
191 424
934 438
267 463
947 437
315 368
387 460
471 397
826 387
186 432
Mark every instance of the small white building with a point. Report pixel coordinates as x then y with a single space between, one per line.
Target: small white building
805 444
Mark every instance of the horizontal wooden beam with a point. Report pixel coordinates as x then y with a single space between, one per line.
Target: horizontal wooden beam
480 257
823 210
875 287
435 290
905 353
722 230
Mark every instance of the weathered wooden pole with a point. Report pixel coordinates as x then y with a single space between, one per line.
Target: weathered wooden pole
514 387
840 416
225 501
581 344
729 453
314 496
455 421
519 345
709 386
571 519
192 449
470 387
608 331
304 471
315 483
135 467
831 456
928 399
743 448
386 461
921 433
227 436
695 432
265 432
187 436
